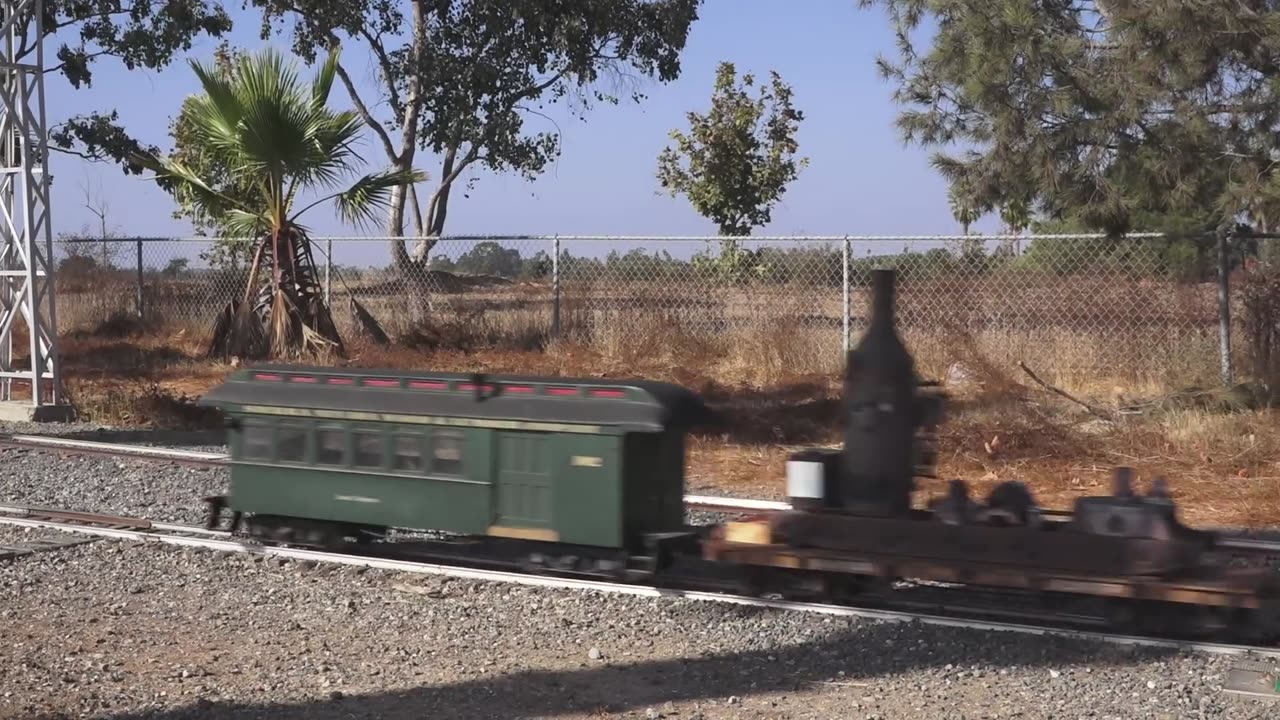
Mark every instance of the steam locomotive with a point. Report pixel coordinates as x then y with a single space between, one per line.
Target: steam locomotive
1126 556
587 476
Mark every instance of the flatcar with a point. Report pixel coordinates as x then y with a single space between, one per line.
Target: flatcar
323 456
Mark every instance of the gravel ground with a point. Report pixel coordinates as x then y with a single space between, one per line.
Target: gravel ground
118 630
124 631
140 488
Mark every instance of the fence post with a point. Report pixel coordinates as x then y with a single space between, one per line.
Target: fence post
328 267
555 288
844 283
1224 309
141 308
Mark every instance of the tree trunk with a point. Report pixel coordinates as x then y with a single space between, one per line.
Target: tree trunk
395 217
438 206
409 267
284 316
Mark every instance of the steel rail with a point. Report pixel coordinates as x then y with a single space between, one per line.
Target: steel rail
194 536
209 459
150 452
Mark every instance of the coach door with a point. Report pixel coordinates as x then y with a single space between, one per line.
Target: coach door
524 487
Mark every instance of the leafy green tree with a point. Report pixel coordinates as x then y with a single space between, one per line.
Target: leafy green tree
1102 113
175 267
735 163
490 258
460 78
139 33
277 135
538 266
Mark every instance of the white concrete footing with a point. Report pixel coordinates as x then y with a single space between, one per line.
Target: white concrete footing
24 411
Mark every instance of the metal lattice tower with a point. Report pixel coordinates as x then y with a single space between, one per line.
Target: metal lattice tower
26 239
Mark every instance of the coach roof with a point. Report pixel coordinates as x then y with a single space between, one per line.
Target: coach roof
622 404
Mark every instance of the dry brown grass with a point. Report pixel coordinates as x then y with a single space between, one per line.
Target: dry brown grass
776 380
1091 334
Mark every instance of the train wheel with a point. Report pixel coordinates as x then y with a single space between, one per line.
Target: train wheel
840 587
323 537
1208 622
283 534
752 580
1258 626
1122 615
804 586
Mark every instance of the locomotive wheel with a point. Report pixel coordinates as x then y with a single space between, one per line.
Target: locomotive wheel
839 586
1208 621
1256 626
754 580
1122 615
804 586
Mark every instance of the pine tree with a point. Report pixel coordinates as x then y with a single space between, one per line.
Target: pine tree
1097 112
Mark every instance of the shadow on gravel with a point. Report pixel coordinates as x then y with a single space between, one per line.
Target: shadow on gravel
868 653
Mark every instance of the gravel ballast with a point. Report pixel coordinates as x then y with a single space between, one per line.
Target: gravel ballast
123 630
138 488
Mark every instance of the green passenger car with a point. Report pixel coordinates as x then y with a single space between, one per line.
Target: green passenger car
573 461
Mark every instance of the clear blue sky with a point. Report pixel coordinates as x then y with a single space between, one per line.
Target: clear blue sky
861 180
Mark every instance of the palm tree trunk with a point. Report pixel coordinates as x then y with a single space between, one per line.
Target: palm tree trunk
289 317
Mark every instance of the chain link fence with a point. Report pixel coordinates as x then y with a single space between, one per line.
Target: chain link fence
1081 310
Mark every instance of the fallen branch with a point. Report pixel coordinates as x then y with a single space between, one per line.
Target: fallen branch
1099 412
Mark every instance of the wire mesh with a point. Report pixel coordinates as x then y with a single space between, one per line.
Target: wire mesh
1078 309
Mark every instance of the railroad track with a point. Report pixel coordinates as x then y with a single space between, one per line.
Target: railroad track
143 530
208 459
701 502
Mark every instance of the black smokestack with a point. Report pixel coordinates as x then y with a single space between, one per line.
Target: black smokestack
880 400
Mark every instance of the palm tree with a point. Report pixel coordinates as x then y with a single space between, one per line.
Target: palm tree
273 138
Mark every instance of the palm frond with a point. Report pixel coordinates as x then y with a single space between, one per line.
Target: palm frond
276 136
239 223
188 181
217 113
333 147
358 203
323 82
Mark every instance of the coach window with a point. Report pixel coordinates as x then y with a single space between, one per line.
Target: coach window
255 440
446 453
406 453
291 442
368 445
331 446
